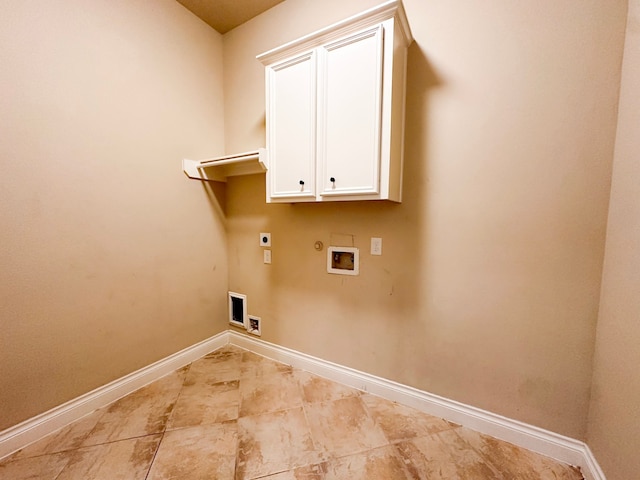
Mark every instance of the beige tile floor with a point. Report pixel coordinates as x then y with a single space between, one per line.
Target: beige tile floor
236 415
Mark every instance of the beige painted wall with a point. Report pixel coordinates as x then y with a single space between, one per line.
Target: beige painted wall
487 291
614 417
110 258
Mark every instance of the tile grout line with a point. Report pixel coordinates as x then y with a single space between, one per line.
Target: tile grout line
164 431
155 454
391 443
175 403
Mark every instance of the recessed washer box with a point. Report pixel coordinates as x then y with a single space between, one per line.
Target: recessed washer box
343 260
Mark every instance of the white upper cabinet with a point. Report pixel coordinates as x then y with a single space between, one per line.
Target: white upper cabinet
335 110
292 106
350 96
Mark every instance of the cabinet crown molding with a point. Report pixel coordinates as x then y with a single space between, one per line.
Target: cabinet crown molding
370 17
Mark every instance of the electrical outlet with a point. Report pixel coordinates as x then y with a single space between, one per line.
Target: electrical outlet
265 239
267 256
376 246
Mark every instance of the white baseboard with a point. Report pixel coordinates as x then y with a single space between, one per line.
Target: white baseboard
559 447
564 449
21 435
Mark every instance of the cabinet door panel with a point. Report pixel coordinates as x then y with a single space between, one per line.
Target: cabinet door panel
350 114
292 127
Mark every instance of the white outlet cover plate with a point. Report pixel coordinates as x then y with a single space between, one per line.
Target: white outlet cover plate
376 246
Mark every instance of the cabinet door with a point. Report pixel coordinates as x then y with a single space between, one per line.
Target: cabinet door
350 112
292 127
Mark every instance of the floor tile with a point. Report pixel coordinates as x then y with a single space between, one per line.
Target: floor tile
67 438
206 452
400 422
317 389
143 412
378 464
444 456
203 403
343 427
515 462
269 393
122 460
308 472
219 366
273 443
254 365
45 467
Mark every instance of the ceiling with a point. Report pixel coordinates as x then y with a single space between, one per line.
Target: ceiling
225 15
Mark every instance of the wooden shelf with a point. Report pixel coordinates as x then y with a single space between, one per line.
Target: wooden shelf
219 168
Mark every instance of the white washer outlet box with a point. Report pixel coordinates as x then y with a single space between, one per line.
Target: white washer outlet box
343 260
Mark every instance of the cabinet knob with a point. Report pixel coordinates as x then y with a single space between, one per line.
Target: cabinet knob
332 180
301 182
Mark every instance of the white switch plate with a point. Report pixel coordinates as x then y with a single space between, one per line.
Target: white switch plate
376 246
267 256
265 239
